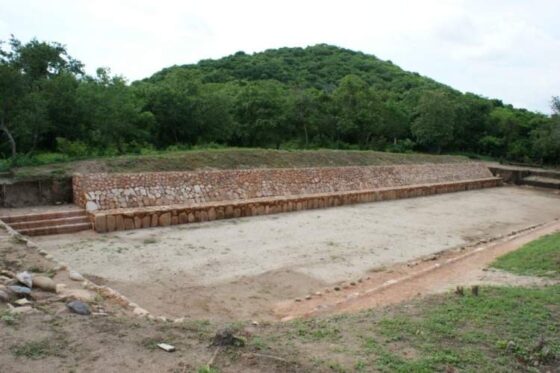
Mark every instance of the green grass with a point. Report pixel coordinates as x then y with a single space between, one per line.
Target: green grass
228 158
41 348
504 329
537 258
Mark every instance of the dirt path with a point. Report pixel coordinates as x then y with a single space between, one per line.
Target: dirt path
434 274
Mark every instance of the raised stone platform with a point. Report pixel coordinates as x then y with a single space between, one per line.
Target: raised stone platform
154 216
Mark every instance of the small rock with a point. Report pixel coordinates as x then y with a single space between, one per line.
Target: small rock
225 337
297 299
139 311
255 323
308 297
352 283
337 288
44 283
22 302
77 294
49 257
43 252
75 276
7 273
166 347
318 293
19 290
31 245
25 278
20 310
5 279
180 320
162 318
78 307
4 297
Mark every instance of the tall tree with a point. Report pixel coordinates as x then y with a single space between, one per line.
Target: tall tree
434 122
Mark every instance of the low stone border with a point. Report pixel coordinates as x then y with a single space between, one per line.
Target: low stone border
157 216
105 291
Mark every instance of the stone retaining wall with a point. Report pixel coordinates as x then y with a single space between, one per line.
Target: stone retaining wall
155 216
111 191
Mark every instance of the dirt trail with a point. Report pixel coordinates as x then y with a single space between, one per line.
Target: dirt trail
429 275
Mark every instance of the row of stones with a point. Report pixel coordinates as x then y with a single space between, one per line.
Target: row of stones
110 191
116 220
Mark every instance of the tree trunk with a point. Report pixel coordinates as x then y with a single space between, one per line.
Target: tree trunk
10 137
306 135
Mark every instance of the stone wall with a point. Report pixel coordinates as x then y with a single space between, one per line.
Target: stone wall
157 216
118 191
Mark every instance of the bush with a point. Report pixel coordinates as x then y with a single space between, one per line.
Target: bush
74 149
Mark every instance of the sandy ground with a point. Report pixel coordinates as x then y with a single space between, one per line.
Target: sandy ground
240 268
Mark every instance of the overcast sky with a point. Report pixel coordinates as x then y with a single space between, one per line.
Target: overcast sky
507 49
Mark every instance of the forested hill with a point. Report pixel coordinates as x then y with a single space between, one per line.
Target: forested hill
315 97
320 66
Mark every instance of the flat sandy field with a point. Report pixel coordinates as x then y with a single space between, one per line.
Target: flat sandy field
239 268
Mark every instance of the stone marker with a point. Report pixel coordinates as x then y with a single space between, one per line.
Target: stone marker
44 283
25 278
78 307
20 290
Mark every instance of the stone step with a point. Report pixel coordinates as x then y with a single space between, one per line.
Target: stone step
542 182
49 222
57 229
49 215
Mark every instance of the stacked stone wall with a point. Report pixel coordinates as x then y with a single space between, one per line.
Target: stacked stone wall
118 191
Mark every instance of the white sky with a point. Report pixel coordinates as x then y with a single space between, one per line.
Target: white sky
507 49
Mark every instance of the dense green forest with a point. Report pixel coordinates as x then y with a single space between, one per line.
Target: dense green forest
316 97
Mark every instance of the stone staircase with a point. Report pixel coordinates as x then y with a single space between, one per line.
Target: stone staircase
536 177
542 182
49 222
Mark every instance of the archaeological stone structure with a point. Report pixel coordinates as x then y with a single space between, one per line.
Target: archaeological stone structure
132 201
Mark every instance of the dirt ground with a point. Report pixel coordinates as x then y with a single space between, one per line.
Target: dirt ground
243 268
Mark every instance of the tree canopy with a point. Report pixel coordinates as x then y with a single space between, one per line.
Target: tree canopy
319 96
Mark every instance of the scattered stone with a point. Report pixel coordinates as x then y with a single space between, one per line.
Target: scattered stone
49 257
75 276
180 320
5 279
78 307
430 258
337 288
297 299
139 311
166 347
25 278
78 294
22 302
352 283
44 283
475 290
19 290
4 296
360 280
318 293
20 310
60 288
162 318
255 323
308 297
43 252
225 337
7 273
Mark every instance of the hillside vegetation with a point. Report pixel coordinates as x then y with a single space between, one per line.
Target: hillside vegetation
229 159
315 97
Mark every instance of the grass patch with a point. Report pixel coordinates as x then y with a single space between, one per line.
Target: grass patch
39 349
537 258
228 158
504 329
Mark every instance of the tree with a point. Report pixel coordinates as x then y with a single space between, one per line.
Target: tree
25 72
112 114
434 122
